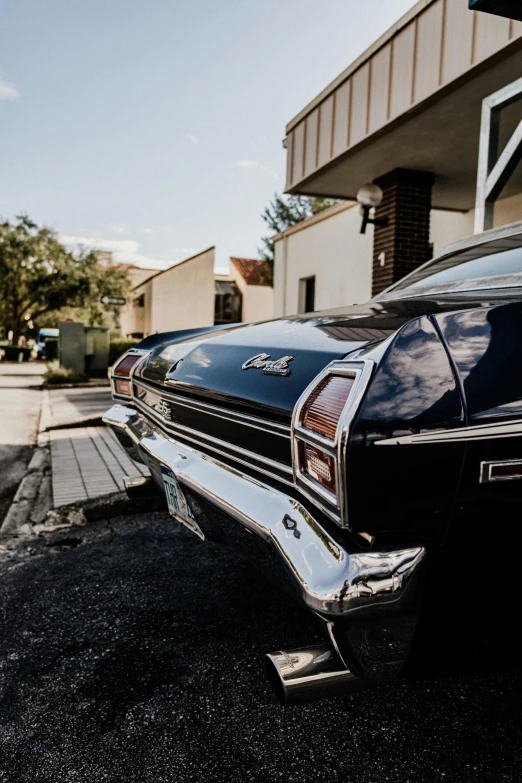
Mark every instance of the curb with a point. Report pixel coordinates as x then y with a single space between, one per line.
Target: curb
32 500
102 384
71 425
105 507
21 523
45 413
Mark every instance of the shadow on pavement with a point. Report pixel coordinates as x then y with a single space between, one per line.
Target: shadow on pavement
131 651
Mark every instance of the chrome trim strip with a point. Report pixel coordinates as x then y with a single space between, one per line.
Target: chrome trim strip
506 429
213 443
485 471
201 443
215 410
334 578
336 509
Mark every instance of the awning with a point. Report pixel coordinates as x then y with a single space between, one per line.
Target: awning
223 287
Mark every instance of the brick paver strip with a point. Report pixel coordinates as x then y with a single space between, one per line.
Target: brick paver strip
126 463
88 462
95 473
113 466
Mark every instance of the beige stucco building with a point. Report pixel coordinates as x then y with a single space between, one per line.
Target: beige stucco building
190 294
405 115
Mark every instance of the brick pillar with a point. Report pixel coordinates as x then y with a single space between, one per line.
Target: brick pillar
405 241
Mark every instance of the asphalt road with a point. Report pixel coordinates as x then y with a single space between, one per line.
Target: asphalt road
132 651
20 402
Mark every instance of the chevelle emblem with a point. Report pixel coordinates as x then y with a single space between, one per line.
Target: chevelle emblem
269 366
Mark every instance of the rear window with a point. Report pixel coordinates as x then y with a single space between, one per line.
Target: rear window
470 270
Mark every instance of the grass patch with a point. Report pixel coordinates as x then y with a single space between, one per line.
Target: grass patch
55 375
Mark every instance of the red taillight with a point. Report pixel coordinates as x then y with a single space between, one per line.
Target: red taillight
323 408
122 371
122 387
124 367
318 465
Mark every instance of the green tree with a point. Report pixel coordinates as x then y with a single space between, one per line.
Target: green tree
39 276
284 212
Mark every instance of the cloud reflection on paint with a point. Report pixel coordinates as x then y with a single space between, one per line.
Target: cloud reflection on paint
414 379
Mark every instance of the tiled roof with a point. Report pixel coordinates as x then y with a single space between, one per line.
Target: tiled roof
252 270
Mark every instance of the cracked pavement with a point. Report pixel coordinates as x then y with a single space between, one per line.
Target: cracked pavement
132 651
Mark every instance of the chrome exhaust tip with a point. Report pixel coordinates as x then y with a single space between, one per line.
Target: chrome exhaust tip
308 674
139 486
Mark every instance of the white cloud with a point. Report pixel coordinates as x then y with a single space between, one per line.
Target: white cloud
256 164
118 228
125 251
8 92
148 230
183 250
193 139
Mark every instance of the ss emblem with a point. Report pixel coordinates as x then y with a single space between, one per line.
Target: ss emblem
163 407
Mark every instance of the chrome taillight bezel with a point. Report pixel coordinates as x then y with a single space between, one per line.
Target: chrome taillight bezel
335 506
115 377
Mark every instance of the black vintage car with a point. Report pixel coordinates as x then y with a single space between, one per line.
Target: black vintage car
368 458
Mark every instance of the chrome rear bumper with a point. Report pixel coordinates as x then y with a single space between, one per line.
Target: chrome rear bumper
333 578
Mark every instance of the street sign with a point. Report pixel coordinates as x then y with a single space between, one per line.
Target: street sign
113 300
510 8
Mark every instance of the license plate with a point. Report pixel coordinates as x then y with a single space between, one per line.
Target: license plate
177 502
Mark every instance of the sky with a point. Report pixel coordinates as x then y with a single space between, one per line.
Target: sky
154 128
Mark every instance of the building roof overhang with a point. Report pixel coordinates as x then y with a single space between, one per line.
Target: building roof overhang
413 101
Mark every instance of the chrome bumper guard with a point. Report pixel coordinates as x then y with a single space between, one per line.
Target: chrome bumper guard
334 580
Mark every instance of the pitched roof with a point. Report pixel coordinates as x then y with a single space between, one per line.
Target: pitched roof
252 270
174 265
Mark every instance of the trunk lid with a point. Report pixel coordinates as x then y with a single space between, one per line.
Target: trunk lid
210 366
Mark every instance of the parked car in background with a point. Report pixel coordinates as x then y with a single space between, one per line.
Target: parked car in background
367 458
47 344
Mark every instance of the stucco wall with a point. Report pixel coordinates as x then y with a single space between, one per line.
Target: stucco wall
258 300
258 303
132 317
331 248
183 296
448 227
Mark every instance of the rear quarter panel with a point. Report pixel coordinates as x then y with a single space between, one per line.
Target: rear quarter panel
406 487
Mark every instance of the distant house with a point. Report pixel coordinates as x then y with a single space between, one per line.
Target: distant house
190 294
251 277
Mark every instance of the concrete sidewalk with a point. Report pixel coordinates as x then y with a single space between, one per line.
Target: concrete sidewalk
71 406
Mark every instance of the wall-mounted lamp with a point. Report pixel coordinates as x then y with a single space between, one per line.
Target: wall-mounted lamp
369 197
